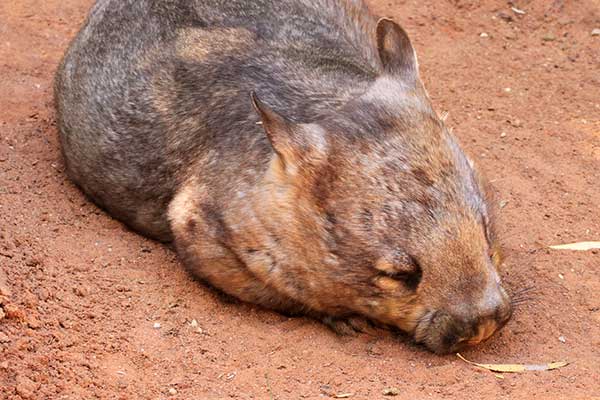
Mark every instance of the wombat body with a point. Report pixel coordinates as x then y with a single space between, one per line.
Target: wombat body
336 191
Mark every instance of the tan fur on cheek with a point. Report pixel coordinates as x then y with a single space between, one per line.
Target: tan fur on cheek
388 284
402 312
384 265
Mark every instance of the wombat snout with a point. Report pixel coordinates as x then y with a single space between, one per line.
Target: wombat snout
444 332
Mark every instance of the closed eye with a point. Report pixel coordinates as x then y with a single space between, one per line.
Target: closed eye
409 276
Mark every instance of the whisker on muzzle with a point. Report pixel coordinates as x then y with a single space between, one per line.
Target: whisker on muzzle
528 289
523 296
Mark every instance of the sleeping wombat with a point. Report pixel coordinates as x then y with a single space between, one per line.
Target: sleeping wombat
334 190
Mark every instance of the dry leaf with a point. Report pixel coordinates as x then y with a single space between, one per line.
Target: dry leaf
516 367
580 246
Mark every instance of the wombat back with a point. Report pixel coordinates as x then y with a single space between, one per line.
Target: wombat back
152 88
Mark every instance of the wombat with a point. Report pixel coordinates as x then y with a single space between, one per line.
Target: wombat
291 153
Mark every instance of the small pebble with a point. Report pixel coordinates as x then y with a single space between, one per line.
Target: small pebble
156 325
194 323
561 276
596 32
562 339
172 391
34 323
484 35
391 392
4 290
516 123
503 203
25 387
549 37
503 135
507 90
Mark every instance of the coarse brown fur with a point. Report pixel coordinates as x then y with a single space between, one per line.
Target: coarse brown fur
335 191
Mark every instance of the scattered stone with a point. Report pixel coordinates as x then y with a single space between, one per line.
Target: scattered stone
561 276
327 390
596 32
80 291
484 35
391 392
549 37
156 325
505 16
26 388
503 135
518 11
65 324
562 339
503 203
194 323
13 312
4 290
34 323
172 391
507 90
516 123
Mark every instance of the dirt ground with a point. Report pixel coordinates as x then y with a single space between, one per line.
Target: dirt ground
83 296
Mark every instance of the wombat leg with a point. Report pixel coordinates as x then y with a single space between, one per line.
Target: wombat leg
220 267
348 325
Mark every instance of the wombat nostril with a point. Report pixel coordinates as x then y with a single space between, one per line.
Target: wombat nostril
484 331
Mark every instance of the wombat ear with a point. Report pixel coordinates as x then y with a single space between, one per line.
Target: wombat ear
292 142
278 130
396 51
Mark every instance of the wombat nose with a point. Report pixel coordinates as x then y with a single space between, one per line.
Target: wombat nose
444 332
495 303
491 319
484 330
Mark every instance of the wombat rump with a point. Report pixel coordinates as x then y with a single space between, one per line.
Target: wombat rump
291 153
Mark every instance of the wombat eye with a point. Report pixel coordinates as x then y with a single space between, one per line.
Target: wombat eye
405 269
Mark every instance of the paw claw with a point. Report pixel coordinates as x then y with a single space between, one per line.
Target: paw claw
350 326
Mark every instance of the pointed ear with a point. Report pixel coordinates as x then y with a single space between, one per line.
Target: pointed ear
293 143
278 129
397 54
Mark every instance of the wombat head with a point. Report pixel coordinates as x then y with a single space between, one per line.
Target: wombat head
381 213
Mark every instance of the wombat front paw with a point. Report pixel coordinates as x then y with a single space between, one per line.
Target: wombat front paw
348 325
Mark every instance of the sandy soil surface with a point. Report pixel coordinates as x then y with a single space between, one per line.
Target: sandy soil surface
82 297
